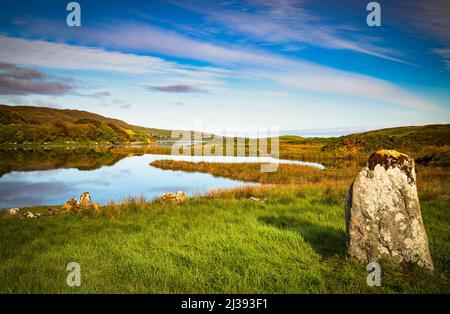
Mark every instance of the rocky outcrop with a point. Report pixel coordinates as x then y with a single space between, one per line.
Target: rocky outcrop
383 212
85 199
84 203
70 205
174 197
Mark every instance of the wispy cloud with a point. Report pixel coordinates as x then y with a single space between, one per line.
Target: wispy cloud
64 56
177 88
95 94
15 80
228 62
23 101
354 85
424 18
56 55
445 54
289 23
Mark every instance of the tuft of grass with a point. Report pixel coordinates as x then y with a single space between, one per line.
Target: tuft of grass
129 205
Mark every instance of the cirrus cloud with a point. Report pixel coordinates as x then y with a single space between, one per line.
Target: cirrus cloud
176 88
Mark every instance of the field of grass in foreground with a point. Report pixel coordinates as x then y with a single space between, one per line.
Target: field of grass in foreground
291 242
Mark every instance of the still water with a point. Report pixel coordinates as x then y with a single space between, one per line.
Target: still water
130 176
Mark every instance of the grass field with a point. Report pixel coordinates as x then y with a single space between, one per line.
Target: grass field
291 241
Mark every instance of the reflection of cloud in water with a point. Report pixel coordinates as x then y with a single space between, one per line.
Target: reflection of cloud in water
27 194
24 202
117 175
125 171
131 176
7 190
164 189
74 184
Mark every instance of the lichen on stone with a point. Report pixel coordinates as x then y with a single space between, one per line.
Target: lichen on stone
390 159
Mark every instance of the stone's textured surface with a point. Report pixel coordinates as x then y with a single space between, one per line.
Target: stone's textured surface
70 205
84 203
96 207
383 212
13 211
174 197
30 215
52 211
85 199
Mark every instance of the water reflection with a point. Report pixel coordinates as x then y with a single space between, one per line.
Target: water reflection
50 178
64 157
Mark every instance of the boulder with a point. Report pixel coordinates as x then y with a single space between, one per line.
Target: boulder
13 211
52 211
84 203
174 197
70 205
30 215
85 199
383 212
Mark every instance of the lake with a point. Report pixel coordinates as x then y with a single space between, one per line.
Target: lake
36 179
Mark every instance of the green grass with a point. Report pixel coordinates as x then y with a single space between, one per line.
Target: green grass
292 242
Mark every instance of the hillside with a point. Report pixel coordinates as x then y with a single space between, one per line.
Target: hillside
26 124
429 144
409 138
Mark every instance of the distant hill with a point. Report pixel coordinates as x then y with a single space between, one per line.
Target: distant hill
409 138
26 124
429 144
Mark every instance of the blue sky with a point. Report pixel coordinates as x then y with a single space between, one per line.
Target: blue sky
289 64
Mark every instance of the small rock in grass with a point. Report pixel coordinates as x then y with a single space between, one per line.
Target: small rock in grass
30 215
174 197
13 211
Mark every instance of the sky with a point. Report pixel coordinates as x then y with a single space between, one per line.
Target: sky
292 65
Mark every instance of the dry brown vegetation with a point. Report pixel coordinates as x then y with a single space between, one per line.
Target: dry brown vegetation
433 182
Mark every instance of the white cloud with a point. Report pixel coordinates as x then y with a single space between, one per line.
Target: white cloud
288 23
59 55
354 85
241 63
445 54
56 55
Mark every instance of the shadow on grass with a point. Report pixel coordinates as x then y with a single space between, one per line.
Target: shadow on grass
326 241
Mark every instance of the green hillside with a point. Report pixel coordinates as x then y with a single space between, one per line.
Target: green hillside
429 144
26 124
409 137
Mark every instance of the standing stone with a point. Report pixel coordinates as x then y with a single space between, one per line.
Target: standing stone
383 212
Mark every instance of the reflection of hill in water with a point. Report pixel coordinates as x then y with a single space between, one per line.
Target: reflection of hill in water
45 159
